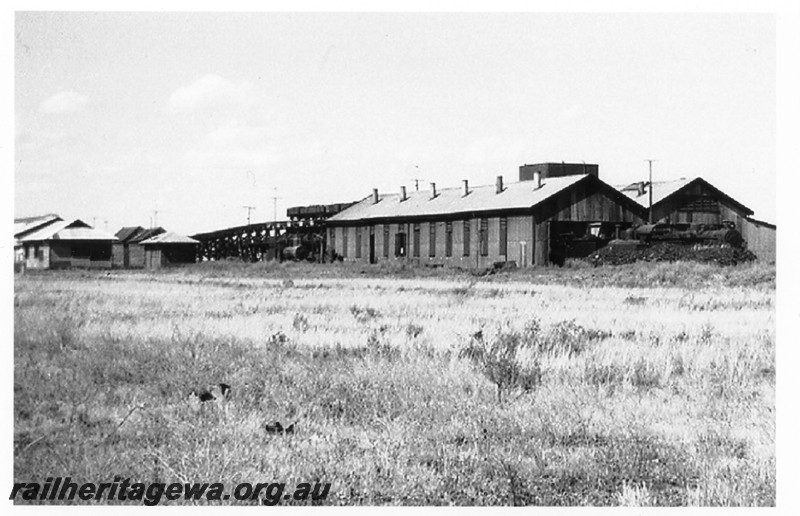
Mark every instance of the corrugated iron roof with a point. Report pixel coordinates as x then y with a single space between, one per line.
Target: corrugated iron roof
67 230
83 233
169 237
144 234
519 195
128 232
28 224
664 189
661 190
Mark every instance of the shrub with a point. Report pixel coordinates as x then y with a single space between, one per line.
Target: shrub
364 315
499 363
300 323
635 300
413 330
570 338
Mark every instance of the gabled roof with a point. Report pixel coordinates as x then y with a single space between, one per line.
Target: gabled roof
169 237
67 230
26 225
448 201
128 232
144 234
662 190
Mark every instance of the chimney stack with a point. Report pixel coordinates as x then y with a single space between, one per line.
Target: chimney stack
499 184
433 190
466 187
640 191
403 194
537 179
374 196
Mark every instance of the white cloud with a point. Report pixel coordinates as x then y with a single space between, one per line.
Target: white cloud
235 145
213 91
64 102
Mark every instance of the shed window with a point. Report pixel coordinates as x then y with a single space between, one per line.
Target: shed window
503 243
432 239
448 239
483 237
416 241
386 240
400 244
703 204
358 242
466 227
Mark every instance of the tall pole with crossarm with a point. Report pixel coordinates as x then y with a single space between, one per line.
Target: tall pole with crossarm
650 192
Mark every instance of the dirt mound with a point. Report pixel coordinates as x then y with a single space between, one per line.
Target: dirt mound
622 252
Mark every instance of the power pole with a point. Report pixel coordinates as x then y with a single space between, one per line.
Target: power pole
417 180
249 209
275 204
650 192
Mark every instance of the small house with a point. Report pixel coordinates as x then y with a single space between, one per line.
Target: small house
65 244
128 252
25 226
169 248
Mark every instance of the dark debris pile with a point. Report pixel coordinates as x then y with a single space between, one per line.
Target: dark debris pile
616 253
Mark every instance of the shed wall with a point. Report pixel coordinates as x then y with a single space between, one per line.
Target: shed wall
675 209
118 251
136 256
585 203
761 240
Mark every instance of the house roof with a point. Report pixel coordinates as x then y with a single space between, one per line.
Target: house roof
144 234
67 230
662 190
519 195
128 232
25 225
169 237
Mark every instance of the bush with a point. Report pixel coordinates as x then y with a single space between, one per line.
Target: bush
499 363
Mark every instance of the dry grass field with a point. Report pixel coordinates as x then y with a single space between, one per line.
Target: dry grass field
636 385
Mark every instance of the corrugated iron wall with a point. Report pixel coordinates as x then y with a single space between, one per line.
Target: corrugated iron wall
761 240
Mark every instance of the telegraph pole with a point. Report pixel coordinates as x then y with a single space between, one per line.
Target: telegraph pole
417 180
249 209
275 204
650 192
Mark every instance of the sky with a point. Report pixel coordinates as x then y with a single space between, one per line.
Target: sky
197 115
